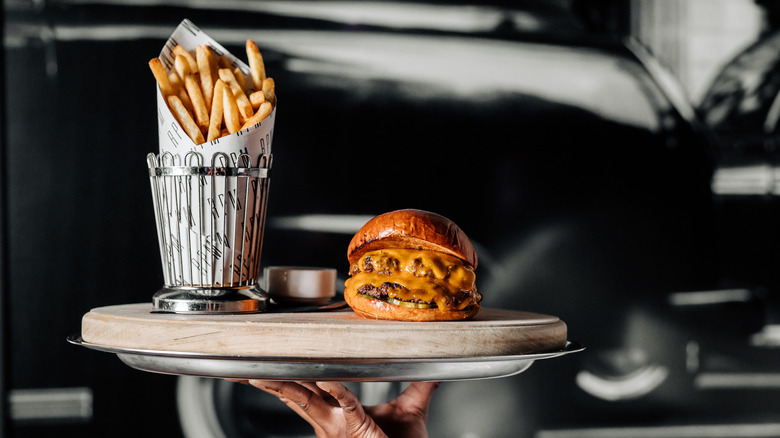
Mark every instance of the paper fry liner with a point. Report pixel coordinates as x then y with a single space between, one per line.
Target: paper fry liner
209 199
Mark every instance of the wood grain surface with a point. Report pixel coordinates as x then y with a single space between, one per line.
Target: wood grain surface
333 334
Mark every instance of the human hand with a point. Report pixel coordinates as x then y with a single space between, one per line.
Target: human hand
335 411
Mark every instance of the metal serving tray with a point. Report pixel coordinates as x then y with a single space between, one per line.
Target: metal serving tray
326 369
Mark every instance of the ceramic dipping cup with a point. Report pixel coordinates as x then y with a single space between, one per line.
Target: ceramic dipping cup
300 285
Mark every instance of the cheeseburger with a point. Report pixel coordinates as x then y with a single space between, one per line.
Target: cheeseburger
412 265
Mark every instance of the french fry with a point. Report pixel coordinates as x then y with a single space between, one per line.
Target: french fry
244 106
230 110
176 82
179 90
214 64
223 62
161 76
204 59
262 112
240 78
198 104
269 90
185 119
215 121
180 51
182 66
169 84
256 64
256 99
199 110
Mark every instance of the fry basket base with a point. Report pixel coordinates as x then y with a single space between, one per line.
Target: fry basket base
229 300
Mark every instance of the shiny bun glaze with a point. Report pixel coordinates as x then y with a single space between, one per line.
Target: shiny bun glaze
412 229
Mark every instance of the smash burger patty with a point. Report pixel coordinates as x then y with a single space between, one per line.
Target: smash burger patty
420 279
412 265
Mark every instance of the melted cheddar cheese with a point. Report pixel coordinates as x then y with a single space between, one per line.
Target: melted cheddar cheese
425 275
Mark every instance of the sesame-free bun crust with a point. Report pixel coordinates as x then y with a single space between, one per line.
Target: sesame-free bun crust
378 309
412 229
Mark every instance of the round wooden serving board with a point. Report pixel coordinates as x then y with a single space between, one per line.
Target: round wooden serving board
335 334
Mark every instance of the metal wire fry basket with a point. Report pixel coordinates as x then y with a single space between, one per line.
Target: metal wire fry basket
210 225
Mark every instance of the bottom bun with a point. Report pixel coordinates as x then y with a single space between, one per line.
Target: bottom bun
378 309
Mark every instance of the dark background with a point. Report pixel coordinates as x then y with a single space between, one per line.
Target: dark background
583 177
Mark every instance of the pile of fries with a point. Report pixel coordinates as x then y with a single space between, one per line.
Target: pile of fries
211 98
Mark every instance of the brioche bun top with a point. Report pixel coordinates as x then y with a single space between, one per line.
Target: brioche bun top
412 229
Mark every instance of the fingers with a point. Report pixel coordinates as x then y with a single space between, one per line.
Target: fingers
340 393
295 395
319 392
295 392
418 395
306 403
354 416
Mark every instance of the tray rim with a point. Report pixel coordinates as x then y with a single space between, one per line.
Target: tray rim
327 369
569 347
